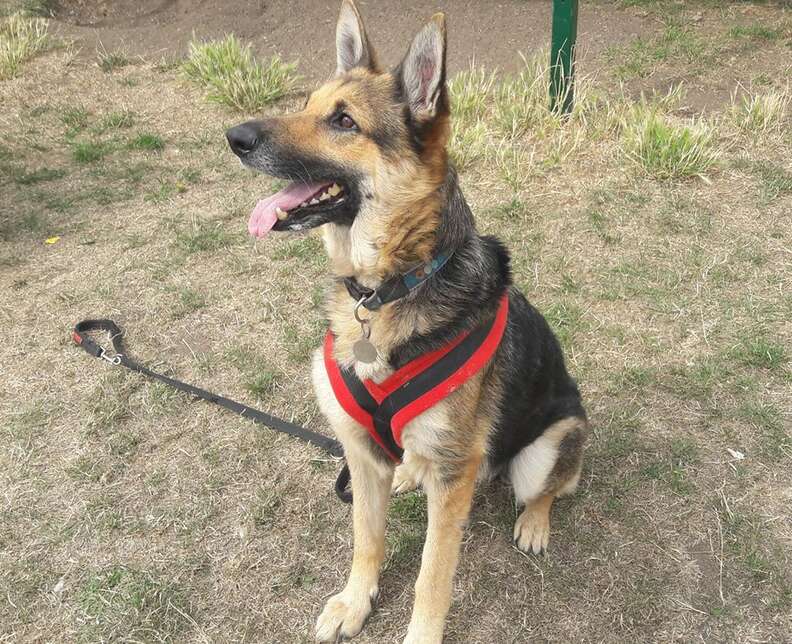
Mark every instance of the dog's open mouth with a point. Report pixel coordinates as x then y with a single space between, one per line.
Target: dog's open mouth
297 206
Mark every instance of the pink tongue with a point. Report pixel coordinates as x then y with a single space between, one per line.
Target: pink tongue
263 217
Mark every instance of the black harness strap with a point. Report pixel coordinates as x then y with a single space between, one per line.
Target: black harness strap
332 447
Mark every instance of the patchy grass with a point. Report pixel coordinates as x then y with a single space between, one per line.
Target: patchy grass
121 603
21 38
228 72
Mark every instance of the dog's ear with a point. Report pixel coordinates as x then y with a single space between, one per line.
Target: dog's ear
423 70
352 46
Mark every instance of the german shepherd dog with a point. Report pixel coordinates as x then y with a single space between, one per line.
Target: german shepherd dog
367 155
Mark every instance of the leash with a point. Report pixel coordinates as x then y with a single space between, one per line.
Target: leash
120 358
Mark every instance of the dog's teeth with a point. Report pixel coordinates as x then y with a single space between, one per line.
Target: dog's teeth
314 202
280 213
324 196
334 189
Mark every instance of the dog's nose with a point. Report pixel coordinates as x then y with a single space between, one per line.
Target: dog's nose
243 138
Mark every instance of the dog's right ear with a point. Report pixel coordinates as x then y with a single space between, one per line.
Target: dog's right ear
352 46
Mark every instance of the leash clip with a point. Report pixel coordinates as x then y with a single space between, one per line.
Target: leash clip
115 360
365 324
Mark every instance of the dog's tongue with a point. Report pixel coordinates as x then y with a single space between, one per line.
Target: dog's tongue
263 217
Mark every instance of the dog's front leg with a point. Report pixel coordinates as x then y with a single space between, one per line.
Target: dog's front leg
345 613
449 506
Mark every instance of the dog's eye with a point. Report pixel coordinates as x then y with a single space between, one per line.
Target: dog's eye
346 122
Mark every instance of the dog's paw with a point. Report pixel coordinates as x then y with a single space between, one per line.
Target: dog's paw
344 615
532 531
404 479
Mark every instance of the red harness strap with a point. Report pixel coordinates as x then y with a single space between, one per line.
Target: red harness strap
385 408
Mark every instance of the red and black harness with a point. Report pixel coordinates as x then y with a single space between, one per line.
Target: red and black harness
385 408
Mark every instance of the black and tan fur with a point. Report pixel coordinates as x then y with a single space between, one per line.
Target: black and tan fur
521 416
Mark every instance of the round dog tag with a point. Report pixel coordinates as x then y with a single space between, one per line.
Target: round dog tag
364 351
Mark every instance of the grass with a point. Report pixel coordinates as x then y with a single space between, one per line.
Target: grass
21 38
231 76
670 297
147 141
756 31
123 603
110 61
760 113
665 149
89 151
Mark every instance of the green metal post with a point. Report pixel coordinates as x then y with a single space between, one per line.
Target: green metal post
562 55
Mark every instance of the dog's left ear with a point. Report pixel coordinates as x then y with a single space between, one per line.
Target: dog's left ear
423 70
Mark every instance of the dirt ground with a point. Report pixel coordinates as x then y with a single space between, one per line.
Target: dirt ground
131 513
164 27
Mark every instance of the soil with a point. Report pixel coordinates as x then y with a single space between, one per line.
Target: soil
492 33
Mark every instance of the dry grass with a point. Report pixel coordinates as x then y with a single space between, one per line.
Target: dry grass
130 511
21 38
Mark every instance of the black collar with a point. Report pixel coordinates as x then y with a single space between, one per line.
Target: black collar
395 287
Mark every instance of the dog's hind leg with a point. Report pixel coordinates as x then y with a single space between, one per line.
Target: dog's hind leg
409 474
547 468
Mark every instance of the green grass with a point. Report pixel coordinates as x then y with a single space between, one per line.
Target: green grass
261 382
21 38
121 603
147 141
189 302
231 76
39 176
89 151
760 352
664 149
756 31
117 121
38 8
642 55
75 119
203 237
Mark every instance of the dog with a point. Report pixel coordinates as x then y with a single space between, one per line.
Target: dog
368 161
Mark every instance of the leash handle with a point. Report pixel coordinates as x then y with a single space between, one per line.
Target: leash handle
87 343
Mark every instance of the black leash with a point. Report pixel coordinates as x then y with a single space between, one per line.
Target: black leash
332 447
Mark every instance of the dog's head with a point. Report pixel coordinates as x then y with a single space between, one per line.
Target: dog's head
365 136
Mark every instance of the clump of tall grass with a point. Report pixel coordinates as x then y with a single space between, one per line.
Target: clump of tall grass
20 39
231 76
760 113
665 149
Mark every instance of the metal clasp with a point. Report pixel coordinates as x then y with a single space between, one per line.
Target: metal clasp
115 360
365 324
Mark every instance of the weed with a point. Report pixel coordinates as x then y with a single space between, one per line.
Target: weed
21 38
231 76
